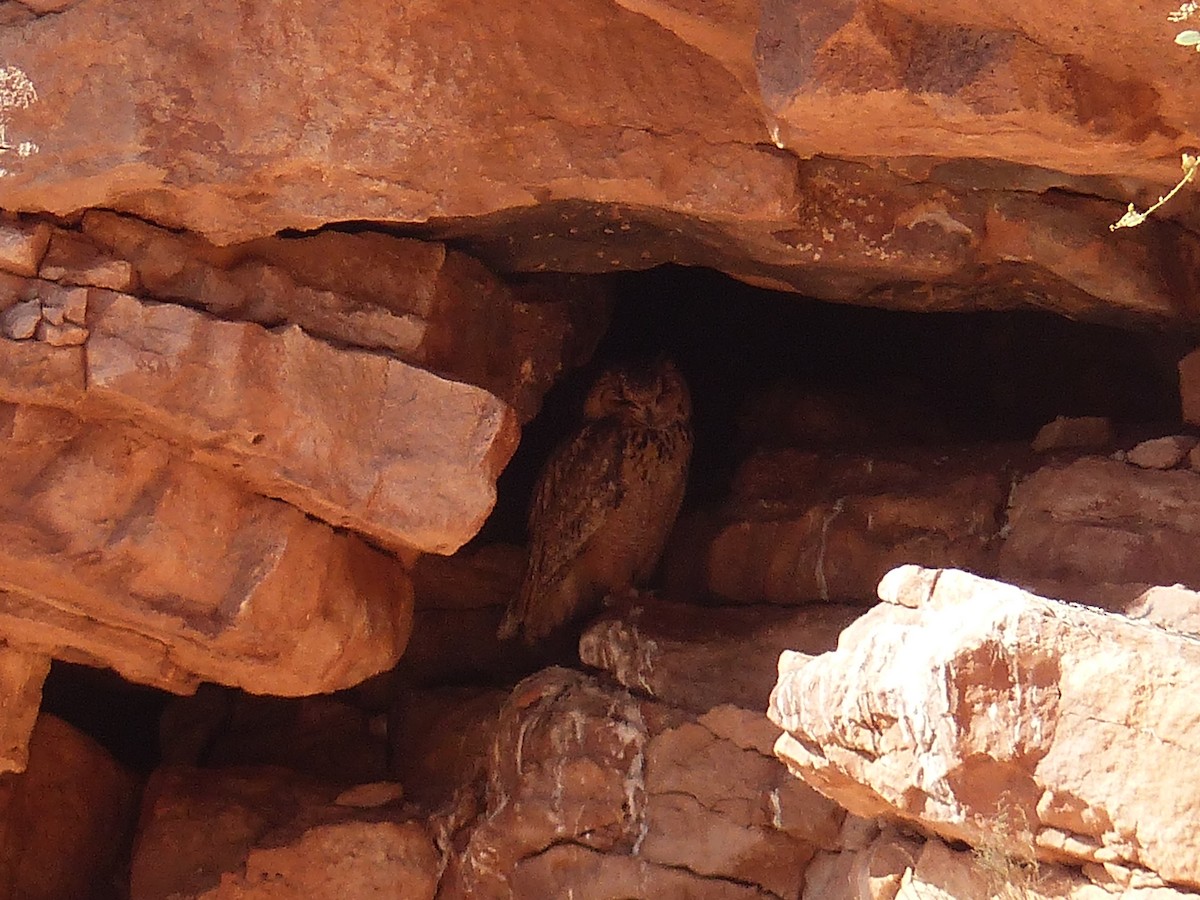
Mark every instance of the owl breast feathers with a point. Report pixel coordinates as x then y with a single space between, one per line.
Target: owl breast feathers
606 500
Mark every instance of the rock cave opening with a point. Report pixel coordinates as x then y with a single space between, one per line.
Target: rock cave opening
766 369
769 368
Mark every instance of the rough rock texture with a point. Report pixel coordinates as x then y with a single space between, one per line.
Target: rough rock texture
967 705
1162 453
441 740
416 456
1073 432
421 302
280 837
1189 387
592 788
1099 530
459 602
65 821
21 677
896 867
999 142
226 405
258 404
805 526
696 658
119 552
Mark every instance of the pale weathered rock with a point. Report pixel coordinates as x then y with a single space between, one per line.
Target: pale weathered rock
21 677
20 321
22 246
118 552
371 796
1174 607
357 439
894 867
1098 521
1017 724
1161 453
281 837
591 790
803 527
1073 432
65 821
65 335
696 658
63 305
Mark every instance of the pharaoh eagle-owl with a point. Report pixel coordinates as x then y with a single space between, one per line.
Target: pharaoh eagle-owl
606 500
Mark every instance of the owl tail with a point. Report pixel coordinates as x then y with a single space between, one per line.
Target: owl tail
518 608
510 624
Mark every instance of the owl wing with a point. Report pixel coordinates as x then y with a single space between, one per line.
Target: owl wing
580 485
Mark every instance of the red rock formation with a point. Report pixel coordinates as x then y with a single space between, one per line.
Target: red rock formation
967 706
65 821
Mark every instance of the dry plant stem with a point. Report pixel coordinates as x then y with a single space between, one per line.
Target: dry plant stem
1132 217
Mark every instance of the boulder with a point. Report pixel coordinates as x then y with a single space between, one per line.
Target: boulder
1025 727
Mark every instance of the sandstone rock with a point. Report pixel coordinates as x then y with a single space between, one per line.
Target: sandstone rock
598 791
1162 453
120 553
441 738
70 259
802 527
416 456
904 868
61 306
599 876
722 140
343 861
371 796
1189 387
319 737
705 809
22 247
1175 608
65 335
20 321
428 305
1099 521
65 821
1017 724
1073 432
696 658
459 602
281 837
21 677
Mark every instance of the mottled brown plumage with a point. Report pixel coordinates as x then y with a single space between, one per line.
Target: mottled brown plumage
606 500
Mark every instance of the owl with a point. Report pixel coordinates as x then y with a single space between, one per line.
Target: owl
606 500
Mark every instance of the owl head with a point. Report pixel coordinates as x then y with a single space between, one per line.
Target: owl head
653 395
